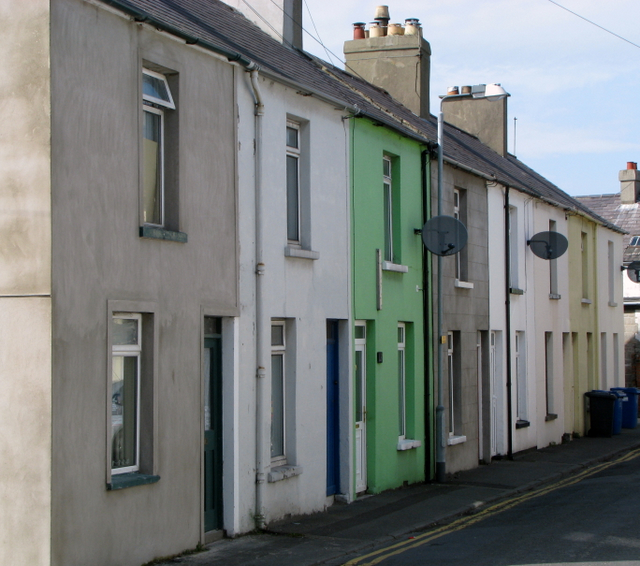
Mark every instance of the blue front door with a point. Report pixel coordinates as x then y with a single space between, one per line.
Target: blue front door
333 412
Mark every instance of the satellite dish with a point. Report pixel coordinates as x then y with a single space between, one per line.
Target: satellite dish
548 245
444 235
633 271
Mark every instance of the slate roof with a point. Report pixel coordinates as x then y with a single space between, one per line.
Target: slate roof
626 216
217 26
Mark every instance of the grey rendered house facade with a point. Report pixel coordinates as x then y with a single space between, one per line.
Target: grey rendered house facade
124 184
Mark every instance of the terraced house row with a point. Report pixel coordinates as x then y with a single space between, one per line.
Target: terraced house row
217 306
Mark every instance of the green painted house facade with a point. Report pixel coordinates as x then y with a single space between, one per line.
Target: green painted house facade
391 376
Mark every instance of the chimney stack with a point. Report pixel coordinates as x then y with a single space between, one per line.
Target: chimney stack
281 19
481 117
393 57
629 184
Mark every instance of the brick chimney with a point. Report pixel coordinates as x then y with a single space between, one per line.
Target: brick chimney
393 57
481 117
281 19
629 184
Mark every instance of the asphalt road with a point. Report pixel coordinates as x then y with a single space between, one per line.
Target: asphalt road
591 518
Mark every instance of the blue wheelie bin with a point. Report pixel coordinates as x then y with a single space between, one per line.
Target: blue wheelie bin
601 410
629 407
617 410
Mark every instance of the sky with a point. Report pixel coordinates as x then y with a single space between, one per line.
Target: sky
575 88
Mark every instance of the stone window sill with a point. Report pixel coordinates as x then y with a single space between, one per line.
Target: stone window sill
586 301
453 440
613 304
554 296
521 423
551 417
157 233
463 284
292 251
516 291
406 444
132 479
390 266
280 473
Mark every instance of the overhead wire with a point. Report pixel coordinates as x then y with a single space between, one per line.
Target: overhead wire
594 24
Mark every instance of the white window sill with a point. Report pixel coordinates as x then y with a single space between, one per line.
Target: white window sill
390 266
613 304
453 440
586 301
463 284
280 473
292 251
554 296
406 444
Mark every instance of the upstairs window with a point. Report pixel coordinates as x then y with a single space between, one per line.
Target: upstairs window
293 182
387 190
157 100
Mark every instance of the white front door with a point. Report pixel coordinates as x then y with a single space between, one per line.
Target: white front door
361 407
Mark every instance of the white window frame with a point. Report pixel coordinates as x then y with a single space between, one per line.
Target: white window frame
154 105
451 380
279 350
520 360
456 215
584 255
135 351
402 380
293 153
514 248
387 190
553 268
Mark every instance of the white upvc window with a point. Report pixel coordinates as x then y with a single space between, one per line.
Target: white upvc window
387 190
293 182
156 98
278 393
125 392
456 215
584 252
553 269
402 381
452 384
520 362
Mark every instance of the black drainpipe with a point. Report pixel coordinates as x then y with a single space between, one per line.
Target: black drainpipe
425 159
507 246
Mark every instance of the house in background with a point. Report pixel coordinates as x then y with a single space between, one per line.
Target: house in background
623 209
506 312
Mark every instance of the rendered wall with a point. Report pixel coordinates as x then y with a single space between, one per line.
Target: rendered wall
466 309
305 292
551 315
25 288
610 306
583 317
98 256
402 301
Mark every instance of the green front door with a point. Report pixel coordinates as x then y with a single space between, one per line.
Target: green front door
212 425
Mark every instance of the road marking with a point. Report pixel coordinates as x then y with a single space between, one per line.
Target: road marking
466 521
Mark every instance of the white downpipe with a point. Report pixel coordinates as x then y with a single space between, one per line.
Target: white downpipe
261 354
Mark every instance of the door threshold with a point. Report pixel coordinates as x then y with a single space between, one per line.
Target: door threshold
213 536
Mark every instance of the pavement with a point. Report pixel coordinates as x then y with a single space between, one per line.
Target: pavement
346 531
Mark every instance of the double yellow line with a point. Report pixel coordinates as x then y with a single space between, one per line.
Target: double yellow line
464 522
